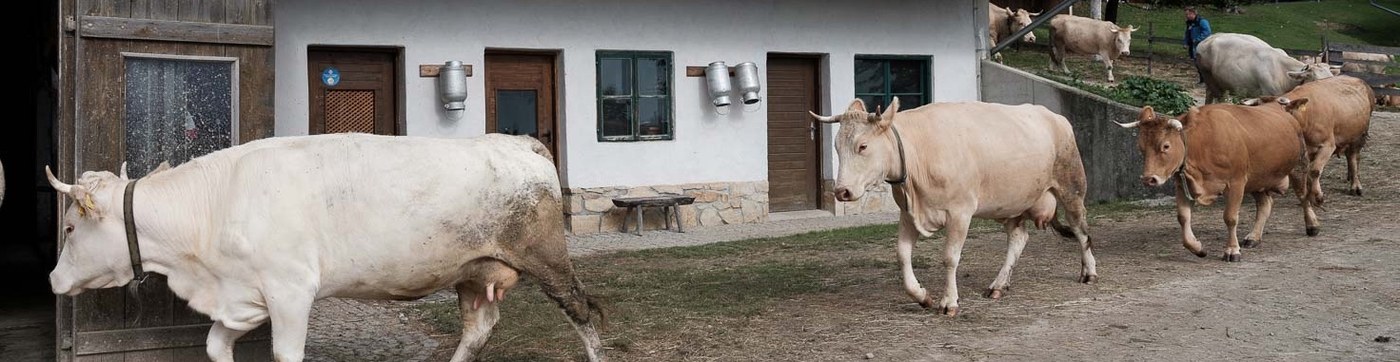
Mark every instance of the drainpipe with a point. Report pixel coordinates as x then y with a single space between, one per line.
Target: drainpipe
1378 6
1044 17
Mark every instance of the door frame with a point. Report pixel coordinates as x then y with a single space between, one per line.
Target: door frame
820 91
557 57
400 105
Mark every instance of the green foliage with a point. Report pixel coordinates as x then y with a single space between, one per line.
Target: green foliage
1164 96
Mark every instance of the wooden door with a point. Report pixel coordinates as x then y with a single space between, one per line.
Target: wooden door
145 82
793 163
520 96
353 90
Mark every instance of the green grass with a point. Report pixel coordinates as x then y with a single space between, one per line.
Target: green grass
698 293
1295 25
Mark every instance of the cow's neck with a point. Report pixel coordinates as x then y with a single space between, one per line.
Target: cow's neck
172 211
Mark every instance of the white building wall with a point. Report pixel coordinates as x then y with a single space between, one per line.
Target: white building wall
707 147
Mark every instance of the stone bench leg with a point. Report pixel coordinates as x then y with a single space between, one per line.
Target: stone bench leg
639 210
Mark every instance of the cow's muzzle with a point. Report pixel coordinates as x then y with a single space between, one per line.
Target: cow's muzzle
1153 181
844 194
1124 53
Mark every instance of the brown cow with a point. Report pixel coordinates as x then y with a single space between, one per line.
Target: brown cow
1335 114
1080 35
1221 148
952 162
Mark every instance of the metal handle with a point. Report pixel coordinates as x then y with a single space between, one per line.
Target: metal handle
812 132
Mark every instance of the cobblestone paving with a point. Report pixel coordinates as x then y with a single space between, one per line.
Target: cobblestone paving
345 330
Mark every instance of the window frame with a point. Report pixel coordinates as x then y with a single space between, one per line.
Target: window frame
234 107
925 82
636 96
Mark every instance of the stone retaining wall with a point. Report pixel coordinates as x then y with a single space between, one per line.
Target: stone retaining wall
590 210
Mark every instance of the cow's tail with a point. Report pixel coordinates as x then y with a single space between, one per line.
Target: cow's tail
1062 229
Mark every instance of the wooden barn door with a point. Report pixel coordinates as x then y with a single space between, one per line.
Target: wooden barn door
353 90
152 81
520 96
794 179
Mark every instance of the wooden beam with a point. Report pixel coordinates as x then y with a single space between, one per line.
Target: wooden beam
140 339
693 71
432 70
170 30
1386 91
1373 78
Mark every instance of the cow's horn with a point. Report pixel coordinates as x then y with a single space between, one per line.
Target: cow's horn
874 117
824 119
124 171
1175 124
57 185
1250 102
1284 100
1035 14
1127 125
1132 28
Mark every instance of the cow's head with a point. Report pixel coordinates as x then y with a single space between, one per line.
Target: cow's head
1122 38
1159 140
1315 71
1296 107
1021 19
865 148
93 253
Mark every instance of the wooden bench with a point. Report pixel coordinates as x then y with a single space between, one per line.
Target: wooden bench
670 205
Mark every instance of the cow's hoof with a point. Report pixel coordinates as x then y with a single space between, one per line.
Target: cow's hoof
1250 243
993 293
1088 279
1354 192
927 303
951 311
1312 231
1231 258
1201 254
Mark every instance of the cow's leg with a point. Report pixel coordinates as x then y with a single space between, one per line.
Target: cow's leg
1319 156
1015 241
290 310
1298 180
1077 216
476 322
1183 216
1057 56
550 265
1353 159
1234 196
908 235
219 344
952 253
1263 207
1108 64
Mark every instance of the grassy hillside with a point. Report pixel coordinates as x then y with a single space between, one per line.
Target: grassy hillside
1295 25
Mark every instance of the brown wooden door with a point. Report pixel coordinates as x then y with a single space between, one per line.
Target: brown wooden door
198 79
520 96
353 90
793 163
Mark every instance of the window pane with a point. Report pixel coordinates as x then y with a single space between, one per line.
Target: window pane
176 110
615 77
654 116
870 76
906 76
653 77
515 112
617 117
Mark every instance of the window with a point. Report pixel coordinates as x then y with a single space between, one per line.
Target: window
178 108
879 79
634 96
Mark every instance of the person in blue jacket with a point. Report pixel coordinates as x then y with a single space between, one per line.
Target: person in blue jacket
1197 29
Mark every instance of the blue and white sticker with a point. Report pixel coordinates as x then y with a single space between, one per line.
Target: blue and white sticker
330 76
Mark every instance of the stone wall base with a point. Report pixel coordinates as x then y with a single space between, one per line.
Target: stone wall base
590 210
876 200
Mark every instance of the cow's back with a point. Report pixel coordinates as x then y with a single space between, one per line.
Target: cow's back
1340 106
1227 141
1081 35
387 215
998 151
1246 65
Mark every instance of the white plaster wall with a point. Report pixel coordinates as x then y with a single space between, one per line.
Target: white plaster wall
707 147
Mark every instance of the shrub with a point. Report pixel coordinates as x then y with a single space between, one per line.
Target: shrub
1164 96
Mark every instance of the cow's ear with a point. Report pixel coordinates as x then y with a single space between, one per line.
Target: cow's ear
887 117
856 105
1297 105
1147 113
164 165
1298 74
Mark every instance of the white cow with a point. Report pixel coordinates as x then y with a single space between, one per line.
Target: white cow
952 162
1246 66
257 232
1071 34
